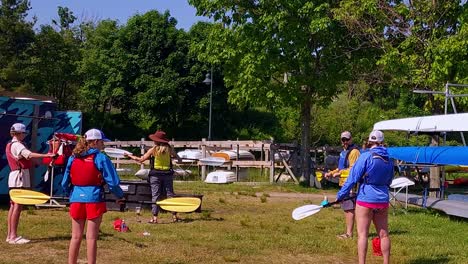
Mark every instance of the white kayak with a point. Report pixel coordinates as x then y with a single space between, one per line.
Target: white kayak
143 173
221 176
212 161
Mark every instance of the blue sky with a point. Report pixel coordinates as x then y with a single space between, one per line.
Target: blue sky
120 10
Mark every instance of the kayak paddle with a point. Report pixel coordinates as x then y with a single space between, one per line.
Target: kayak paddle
22 196
311 209
180 204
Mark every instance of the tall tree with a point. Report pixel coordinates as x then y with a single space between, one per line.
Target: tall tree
423 42
52 62
16 36
283 52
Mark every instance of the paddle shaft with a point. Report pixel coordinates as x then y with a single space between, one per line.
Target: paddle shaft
338 201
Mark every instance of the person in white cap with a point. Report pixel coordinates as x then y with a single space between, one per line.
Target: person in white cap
87 171
374 172
348 157
19 159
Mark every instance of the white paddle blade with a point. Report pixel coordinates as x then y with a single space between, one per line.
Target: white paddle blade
305 211
46 175
116 153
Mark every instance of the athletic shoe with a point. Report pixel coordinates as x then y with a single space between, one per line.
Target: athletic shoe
19 241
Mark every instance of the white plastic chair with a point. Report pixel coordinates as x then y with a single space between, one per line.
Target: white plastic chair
398 184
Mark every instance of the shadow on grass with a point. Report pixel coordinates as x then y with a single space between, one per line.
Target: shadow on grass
109 237
435 260
391 232
51 239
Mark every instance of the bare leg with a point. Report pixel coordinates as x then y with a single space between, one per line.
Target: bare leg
349 218
92 234
10 213
13 220
381 227
75 242
363 220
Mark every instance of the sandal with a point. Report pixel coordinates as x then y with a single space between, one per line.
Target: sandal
176 219
344 236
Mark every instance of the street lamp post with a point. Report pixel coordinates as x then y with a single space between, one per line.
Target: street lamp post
209 80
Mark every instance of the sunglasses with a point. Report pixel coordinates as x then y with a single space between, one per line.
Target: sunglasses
344 139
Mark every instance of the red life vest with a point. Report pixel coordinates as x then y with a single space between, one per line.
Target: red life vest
15 164
61 160
83 172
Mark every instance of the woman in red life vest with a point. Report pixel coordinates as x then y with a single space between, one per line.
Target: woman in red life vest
19 160
87 171
161 172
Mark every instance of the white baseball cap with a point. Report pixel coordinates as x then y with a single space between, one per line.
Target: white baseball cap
94 134
346 134
376 136
18 128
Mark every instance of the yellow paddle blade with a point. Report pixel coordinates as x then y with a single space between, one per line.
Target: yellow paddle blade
180 204
22 196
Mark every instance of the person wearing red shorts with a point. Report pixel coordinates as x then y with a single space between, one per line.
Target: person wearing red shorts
374 172
85 175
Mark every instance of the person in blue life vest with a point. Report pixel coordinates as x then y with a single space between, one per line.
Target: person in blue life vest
161 173
348 157
374 172
87 171
19 160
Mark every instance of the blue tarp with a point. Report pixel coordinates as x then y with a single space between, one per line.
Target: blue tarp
446 155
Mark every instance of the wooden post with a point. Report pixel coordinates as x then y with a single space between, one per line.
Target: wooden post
272 162
203 169
434 172
237 158
261 158
142 151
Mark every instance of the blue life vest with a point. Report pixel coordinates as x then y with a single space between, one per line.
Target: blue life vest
379 171
343 163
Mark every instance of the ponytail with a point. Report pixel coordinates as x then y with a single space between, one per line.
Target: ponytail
80 147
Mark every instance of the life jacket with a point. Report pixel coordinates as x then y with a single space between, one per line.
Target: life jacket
83 172
379 172
54 146
161 162
16 164
343 162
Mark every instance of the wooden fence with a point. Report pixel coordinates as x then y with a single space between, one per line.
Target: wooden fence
207 147
264 150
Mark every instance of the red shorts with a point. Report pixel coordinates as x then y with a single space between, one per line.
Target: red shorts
87 210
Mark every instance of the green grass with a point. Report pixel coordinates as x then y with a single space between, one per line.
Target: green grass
241 223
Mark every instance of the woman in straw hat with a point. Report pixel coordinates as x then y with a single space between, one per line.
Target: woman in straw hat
161 173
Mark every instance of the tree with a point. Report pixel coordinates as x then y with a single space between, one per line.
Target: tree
423 42
52 66
278 52
16 36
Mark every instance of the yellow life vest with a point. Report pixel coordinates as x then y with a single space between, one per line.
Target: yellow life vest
162 161
343 177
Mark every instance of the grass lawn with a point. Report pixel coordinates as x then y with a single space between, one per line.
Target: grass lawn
240 224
